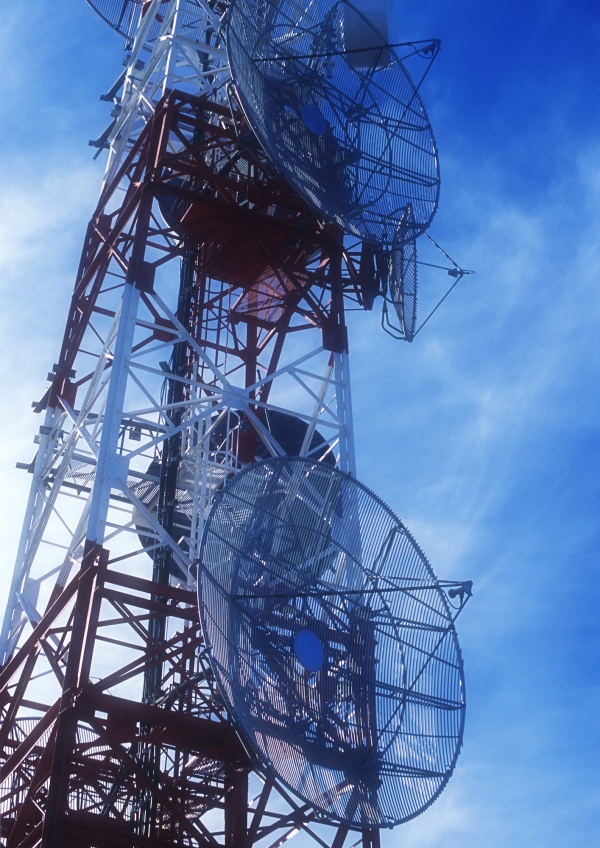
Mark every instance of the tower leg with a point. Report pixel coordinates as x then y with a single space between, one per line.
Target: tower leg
85 623
344 410
236 807
110 467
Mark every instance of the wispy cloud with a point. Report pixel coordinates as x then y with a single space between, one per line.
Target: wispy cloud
44 207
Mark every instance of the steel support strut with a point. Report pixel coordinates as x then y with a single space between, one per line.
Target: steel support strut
109 466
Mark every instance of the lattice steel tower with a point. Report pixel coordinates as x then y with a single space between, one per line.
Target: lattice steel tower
206 331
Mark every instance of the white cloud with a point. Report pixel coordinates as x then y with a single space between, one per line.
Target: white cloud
44 207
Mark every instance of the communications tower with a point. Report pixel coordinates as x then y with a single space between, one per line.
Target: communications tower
205 332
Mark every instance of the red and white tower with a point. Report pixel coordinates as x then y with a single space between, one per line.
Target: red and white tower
205 332
206 329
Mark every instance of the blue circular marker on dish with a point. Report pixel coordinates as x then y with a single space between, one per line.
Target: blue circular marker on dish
313 119
309 650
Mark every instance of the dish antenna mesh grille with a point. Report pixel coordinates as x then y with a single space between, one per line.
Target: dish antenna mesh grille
121 15
403 276
331 641
348 129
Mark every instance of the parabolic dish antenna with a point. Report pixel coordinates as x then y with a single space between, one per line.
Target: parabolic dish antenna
344 122
332 642
118 14
402 278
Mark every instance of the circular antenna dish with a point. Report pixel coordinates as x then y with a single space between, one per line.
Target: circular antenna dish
118 14
337 111
332 642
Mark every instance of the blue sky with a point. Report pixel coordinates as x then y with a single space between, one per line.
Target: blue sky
484 434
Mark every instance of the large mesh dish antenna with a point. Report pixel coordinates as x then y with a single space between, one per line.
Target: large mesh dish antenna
121 15
332 642
347 128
